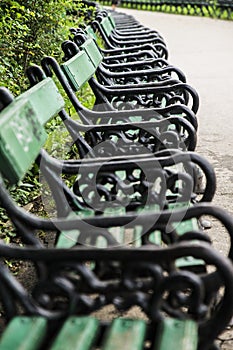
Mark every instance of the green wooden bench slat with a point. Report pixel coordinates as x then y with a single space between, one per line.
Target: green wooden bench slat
21 138
24 333
90 32
93 52
68 239
125 334
118 232
106 25
21 128
187 225
182 228
77 333
155 237
75 71
176 334
45 99
189 262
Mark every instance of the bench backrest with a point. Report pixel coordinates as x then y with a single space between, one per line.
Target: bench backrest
22 134
142 277
111 20
106 26
45 98
91 49
79 69
89 30
82 333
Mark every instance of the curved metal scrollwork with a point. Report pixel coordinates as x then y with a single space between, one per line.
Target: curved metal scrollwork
147 277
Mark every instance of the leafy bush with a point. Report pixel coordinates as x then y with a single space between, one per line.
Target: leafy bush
29 30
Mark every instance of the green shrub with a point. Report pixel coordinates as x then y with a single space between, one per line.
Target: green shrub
30 30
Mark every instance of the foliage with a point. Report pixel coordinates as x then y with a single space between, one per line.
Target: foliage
193 8
24 193
29 30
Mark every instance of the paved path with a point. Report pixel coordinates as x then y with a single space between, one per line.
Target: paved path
203 49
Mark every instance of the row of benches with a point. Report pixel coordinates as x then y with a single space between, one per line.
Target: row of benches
210 8
128 229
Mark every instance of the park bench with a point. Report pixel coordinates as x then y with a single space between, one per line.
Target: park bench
69 205
121 34
127 30
103 25
115 60
123 23
58 313
47 91
134 96
160 76
21 145
77 78
74 80
70 67
149 71
128 54
156 45
116 132
112 150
